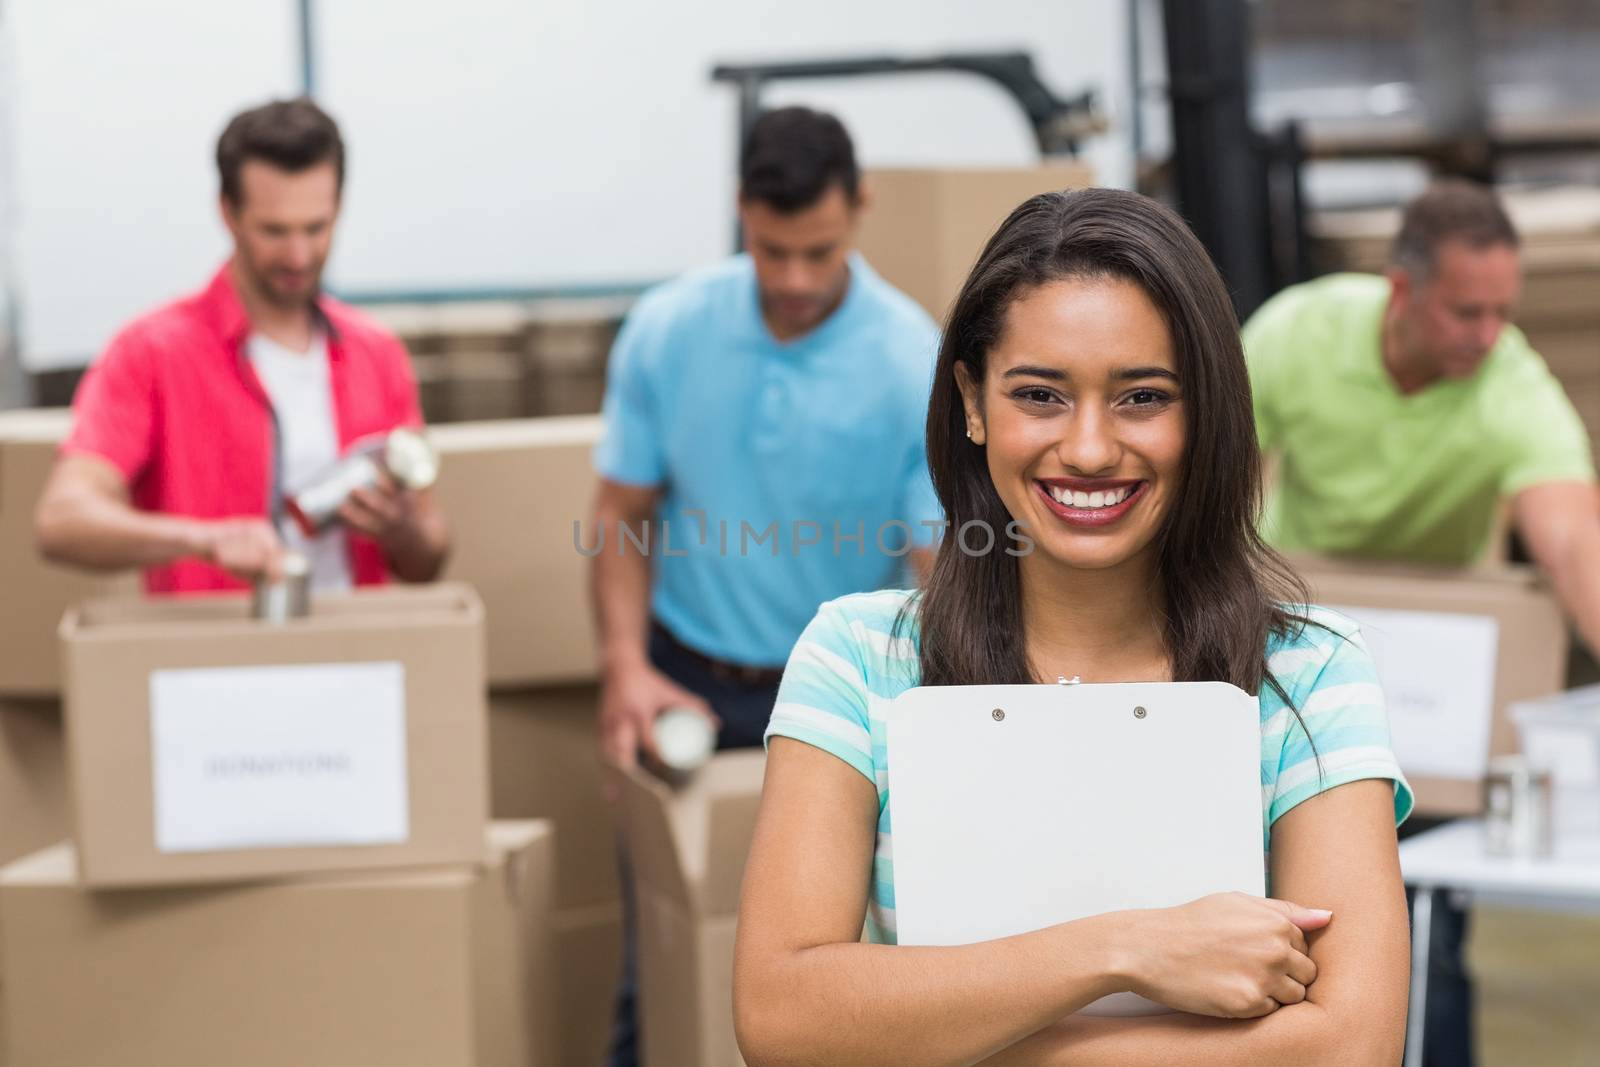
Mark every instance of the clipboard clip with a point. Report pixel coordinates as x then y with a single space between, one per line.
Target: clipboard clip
1062 679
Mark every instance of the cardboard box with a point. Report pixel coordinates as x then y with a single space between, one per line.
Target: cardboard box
36 593
33 787
205 745
568 343
33 777
925 227
587 957
688 848
485 384
512 491
1559 228
450 325
544 763
1435 674
445 967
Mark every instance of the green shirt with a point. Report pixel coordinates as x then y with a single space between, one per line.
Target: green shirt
1366 471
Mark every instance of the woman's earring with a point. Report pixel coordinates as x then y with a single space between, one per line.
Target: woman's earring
969 435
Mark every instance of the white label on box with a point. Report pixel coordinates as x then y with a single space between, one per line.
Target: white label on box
261 757
1437 672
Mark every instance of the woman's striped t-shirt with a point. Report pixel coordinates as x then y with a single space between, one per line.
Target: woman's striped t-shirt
850 663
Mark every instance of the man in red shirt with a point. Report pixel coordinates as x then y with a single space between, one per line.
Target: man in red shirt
202 417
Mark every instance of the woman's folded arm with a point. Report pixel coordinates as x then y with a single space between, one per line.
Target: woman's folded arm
1337 850
806 991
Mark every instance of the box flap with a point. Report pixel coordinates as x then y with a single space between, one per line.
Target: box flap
216 613
689 843
509 845
513 835
36 425
654 851
1375 573
731 827
457 437
56 865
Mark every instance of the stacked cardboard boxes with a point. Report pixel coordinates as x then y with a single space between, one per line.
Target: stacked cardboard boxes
505 359
33 780
429 966
33 809
281 850
513 491
544 763
567 345
33 792
467 356
924 227
36 593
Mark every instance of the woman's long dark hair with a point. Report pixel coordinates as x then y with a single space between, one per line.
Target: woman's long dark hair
1223 588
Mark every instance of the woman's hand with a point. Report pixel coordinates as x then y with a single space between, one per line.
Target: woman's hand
1229 955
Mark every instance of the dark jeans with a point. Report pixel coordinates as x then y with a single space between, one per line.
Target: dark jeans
744 711
1449 1019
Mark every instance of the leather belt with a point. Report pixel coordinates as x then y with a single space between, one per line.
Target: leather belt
722 670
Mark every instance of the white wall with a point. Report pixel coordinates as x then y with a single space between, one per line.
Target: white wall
505 143
118 110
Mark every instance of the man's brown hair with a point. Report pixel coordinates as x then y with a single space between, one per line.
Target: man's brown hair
293 135
1452 209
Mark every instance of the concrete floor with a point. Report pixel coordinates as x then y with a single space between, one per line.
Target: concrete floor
1538 973
1538 988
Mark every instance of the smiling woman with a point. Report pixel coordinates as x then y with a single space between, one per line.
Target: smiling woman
1094 348
1091 389
1079 410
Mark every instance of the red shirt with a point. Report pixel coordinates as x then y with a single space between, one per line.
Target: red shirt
176 406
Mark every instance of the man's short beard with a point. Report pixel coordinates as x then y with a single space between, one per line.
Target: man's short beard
268 292
288 303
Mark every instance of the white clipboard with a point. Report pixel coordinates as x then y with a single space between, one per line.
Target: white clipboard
1017 807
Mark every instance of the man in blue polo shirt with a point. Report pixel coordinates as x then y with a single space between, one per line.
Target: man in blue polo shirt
764 430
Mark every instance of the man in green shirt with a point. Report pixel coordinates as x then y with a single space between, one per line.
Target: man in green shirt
1404 408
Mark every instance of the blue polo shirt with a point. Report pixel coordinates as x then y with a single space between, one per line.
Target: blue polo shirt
791 473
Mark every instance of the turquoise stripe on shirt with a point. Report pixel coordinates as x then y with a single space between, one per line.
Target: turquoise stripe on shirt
851 662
